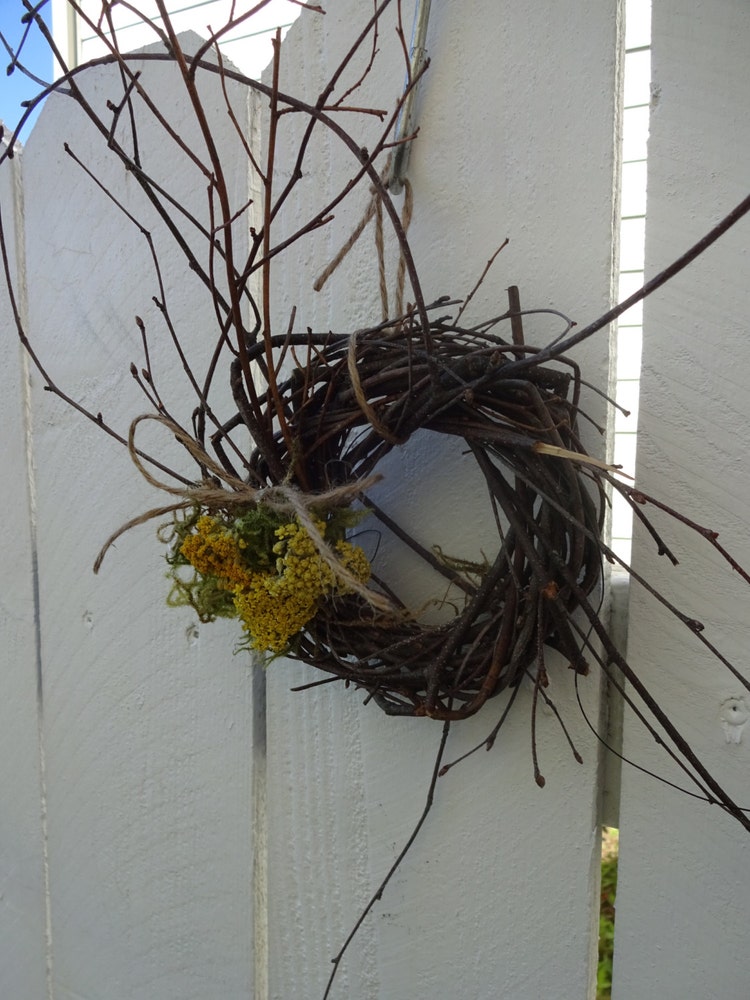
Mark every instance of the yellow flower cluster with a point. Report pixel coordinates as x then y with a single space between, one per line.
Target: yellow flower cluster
213 551
273 605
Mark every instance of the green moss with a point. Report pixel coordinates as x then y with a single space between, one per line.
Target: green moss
204 594
606 926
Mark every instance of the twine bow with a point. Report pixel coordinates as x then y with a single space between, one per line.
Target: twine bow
282 497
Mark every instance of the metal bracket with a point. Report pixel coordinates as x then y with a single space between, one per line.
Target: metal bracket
405 121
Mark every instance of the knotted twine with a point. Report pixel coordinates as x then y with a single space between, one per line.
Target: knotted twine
283 498
375 208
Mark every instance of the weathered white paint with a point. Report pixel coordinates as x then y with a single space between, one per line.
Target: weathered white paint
22 896
734 716
681 906
148 721
498 898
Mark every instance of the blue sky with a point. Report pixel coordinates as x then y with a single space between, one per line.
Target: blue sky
36 55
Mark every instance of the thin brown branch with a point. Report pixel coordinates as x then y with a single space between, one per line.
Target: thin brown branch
378 895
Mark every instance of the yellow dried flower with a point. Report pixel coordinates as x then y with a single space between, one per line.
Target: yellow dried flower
274 604
214 552
272 611
275 608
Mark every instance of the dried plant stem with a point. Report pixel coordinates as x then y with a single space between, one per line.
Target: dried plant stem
436 771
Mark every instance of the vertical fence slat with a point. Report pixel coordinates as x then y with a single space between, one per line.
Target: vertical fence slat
498 897
683 880
147 718
22 894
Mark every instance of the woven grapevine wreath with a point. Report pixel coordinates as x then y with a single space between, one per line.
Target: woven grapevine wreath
355 399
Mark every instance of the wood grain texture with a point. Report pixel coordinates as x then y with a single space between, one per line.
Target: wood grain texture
683 884
148 720
497 898
22 889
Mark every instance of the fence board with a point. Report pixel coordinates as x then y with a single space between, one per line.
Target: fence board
498 898
683 867
148 722
22 890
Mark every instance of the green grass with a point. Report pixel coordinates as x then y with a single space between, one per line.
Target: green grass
607 917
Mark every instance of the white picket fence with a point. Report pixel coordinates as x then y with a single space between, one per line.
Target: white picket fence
177 824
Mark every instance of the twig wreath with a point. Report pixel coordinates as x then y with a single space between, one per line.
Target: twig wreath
265 535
